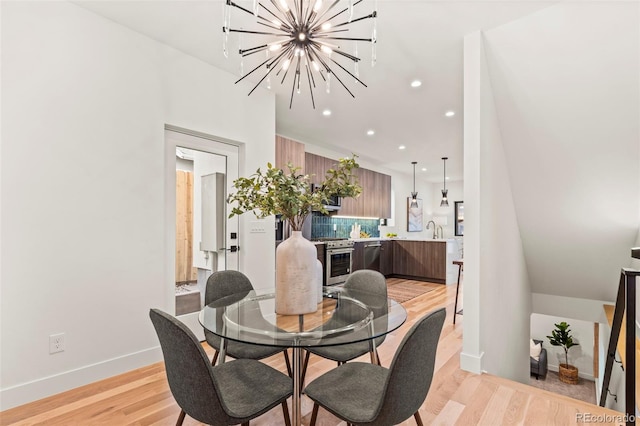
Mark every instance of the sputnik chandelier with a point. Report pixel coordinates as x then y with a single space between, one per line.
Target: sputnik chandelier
304 42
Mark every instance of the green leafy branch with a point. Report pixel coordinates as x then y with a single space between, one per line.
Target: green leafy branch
273 191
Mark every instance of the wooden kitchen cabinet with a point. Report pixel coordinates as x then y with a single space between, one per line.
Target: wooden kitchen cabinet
357 257
386 257
375 200
289 151
422 259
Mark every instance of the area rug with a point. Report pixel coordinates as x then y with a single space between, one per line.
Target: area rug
402 290
585 390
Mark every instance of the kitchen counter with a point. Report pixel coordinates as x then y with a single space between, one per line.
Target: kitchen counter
438 240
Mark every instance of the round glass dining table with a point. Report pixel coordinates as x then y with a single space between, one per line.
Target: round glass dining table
344 316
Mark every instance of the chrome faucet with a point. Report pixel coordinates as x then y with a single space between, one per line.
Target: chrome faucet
434 228
439 232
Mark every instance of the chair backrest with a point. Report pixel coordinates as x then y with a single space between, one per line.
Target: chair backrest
224 283
188 370
373 282
412 369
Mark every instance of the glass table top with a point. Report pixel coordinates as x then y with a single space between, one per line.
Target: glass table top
344 316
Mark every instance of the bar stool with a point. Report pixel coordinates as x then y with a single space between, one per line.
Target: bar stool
460 264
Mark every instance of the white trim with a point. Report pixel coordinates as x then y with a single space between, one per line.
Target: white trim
471 362
51 385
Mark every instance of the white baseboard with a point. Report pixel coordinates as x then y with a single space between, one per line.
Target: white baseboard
471 362
51 385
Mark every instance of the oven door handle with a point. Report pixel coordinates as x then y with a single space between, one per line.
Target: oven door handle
339 251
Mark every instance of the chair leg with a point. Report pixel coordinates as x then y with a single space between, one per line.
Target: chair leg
245 424
304 368
215 357
418 419
378 358
181 418
314 414
285 413
286 360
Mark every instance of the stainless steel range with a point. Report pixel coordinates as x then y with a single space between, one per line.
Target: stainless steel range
339 254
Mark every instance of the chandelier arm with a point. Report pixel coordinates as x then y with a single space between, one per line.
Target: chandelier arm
263 77
339 13
309 79
250 72
349 72
258 32
252 50
340 81
311 54
287 14
230 3
293 85
309 71
270 25
345 38
371 15
318 17
286 24
325 32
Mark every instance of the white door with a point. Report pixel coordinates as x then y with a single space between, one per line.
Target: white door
200 238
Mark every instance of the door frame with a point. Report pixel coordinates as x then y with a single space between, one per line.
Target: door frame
179 137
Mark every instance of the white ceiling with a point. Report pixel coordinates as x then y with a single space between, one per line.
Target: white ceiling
416 40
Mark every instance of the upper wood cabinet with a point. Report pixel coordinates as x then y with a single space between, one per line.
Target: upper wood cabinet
375 200
289 151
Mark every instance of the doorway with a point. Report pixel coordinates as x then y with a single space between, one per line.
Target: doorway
199 172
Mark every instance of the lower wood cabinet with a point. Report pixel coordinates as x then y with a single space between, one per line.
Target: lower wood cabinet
423 259
386 257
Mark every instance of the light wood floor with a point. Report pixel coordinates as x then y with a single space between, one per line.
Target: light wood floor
456 397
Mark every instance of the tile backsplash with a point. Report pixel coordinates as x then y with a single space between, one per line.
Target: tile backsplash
323 226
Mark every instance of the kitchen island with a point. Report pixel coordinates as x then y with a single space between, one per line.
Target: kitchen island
414 258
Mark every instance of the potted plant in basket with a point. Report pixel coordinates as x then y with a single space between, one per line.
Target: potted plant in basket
561 336
274 191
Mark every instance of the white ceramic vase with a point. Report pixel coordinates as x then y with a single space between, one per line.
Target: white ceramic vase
296 276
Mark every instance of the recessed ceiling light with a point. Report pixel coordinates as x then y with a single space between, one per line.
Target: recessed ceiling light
449 113
416 83
371 132
401 147
326 112
424 169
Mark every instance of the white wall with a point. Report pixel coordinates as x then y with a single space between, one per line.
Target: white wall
496 341
580 356
566 86
84 104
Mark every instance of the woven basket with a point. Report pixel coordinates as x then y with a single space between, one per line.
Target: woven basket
568 374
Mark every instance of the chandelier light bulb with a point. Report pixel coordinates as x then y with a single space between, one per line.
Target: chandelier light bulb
285 64
302 36
315 65
326 26
326 49
276 23
275 47
317 6
284 5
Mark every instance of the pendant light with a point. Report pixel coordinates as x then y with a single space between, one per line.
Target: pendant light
414 194
444 202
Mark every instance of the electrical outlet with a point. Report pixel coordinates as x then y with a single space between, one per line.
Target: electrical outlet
56 343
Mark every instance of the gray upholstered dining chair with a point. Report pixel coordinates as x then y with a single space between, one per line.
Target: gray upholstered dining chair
228 394
367 394
224 284
368 281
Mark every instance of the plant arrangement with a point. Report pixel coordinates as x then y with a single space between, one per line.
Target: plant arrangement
274 191
561 336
